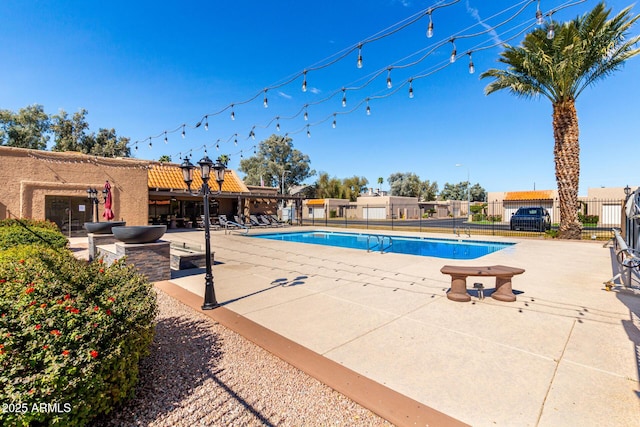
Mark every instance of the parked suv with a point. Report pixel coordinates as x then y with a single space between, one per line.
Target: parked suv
531 218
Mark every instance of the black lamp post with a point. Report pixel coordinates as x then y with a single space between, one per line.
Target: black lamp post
206 165
92 194
627 191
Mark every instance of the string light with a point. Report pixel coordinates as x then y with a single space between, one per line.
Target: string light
265 102
453 58
304 81
278 124
344 97
454 52
334 124
359 63
166 140
183 133
308 132
368 108
252 134
235 139
430 27
551 33
306 114
206 122
150 144
389 84
539 18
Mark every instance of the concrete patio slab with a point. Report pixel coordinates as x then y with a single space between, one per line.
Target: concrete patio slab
566 352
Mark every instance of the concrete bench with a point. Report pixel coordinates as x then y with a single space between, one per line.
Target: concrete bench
502 273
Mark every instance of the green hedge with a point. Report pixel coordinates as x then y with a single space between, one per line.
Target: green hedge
30 232
71 335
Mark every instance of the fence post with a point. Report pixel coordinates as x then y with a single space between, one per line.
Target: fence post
392 215
367 208
420 218
325 216
345 216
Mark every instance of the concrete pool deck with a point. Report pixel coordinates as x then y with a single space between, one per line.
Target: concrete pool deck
567 352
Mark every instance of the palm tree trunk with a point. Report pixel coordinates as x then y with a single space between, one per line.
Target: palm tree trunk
567 158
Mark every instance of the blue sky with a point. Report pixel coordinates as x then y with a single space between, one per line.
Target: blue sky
147 67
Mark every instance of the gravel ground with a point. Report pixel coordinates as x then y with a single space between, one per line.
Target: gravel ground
201 374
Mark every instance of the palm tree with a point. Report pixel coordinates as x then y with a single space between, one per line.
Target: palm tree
560 67
380 181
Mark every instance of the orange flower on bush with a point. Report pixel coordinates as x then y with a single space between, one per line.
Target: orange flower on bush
56 332
43 305
45 347
101 270
96 308
111 299
29 290
93 353
67 296
38 326
21 261
65 352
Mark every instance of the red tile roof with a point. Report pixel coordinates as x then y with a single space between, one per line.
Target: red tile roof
169 177
529 195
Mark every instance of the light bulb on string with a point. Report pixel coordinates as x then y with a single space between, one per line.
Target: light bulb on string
278 124
304 81
252 134
430 27
241 154
389 84
217 145
183 134
359 63
306 114
150 144
368 108
334 124
472 68
539 18
235 139
454 52
344 97
308 132
551 33
411 88
233 115
166 140
265 102
136 147
206 122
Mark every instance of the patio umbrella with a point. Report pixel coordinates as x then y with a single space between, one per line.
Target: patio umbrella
108 213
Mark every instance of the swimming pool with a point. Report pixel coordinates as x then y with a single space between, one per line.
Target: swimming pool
439 248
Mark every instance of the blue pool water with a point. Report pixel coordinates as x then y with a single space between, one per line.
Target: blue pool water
439 248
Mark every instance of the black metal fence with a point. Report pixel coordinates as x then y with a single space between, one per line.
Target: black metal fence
598 217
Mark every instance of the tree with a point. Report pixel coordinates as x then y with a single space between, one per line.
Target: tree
25 129
165 158
276 160
478 194
454 191
329 188
409 185
107 144
70 134
380 182
582 52
354 186
224 159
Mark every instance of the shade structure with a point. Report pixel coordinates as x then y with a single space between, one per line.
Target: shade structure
108 213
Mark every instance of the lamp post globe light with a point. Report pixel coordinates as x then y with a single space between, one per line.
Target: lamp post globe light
206 165
92 195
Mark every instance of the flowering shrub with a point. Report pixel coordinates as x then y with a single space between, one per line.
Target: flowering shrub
27 231
71 335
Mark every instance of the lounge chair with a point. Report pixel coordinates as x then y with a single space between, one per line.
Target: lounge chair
280 223
262 219
224 222
255 222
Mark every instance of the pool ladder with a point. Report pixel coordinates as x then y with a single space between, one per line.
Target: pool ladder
379 243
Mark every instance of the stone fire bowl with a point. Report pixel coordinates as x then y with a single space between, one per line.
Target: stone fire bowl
139 233
102 227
